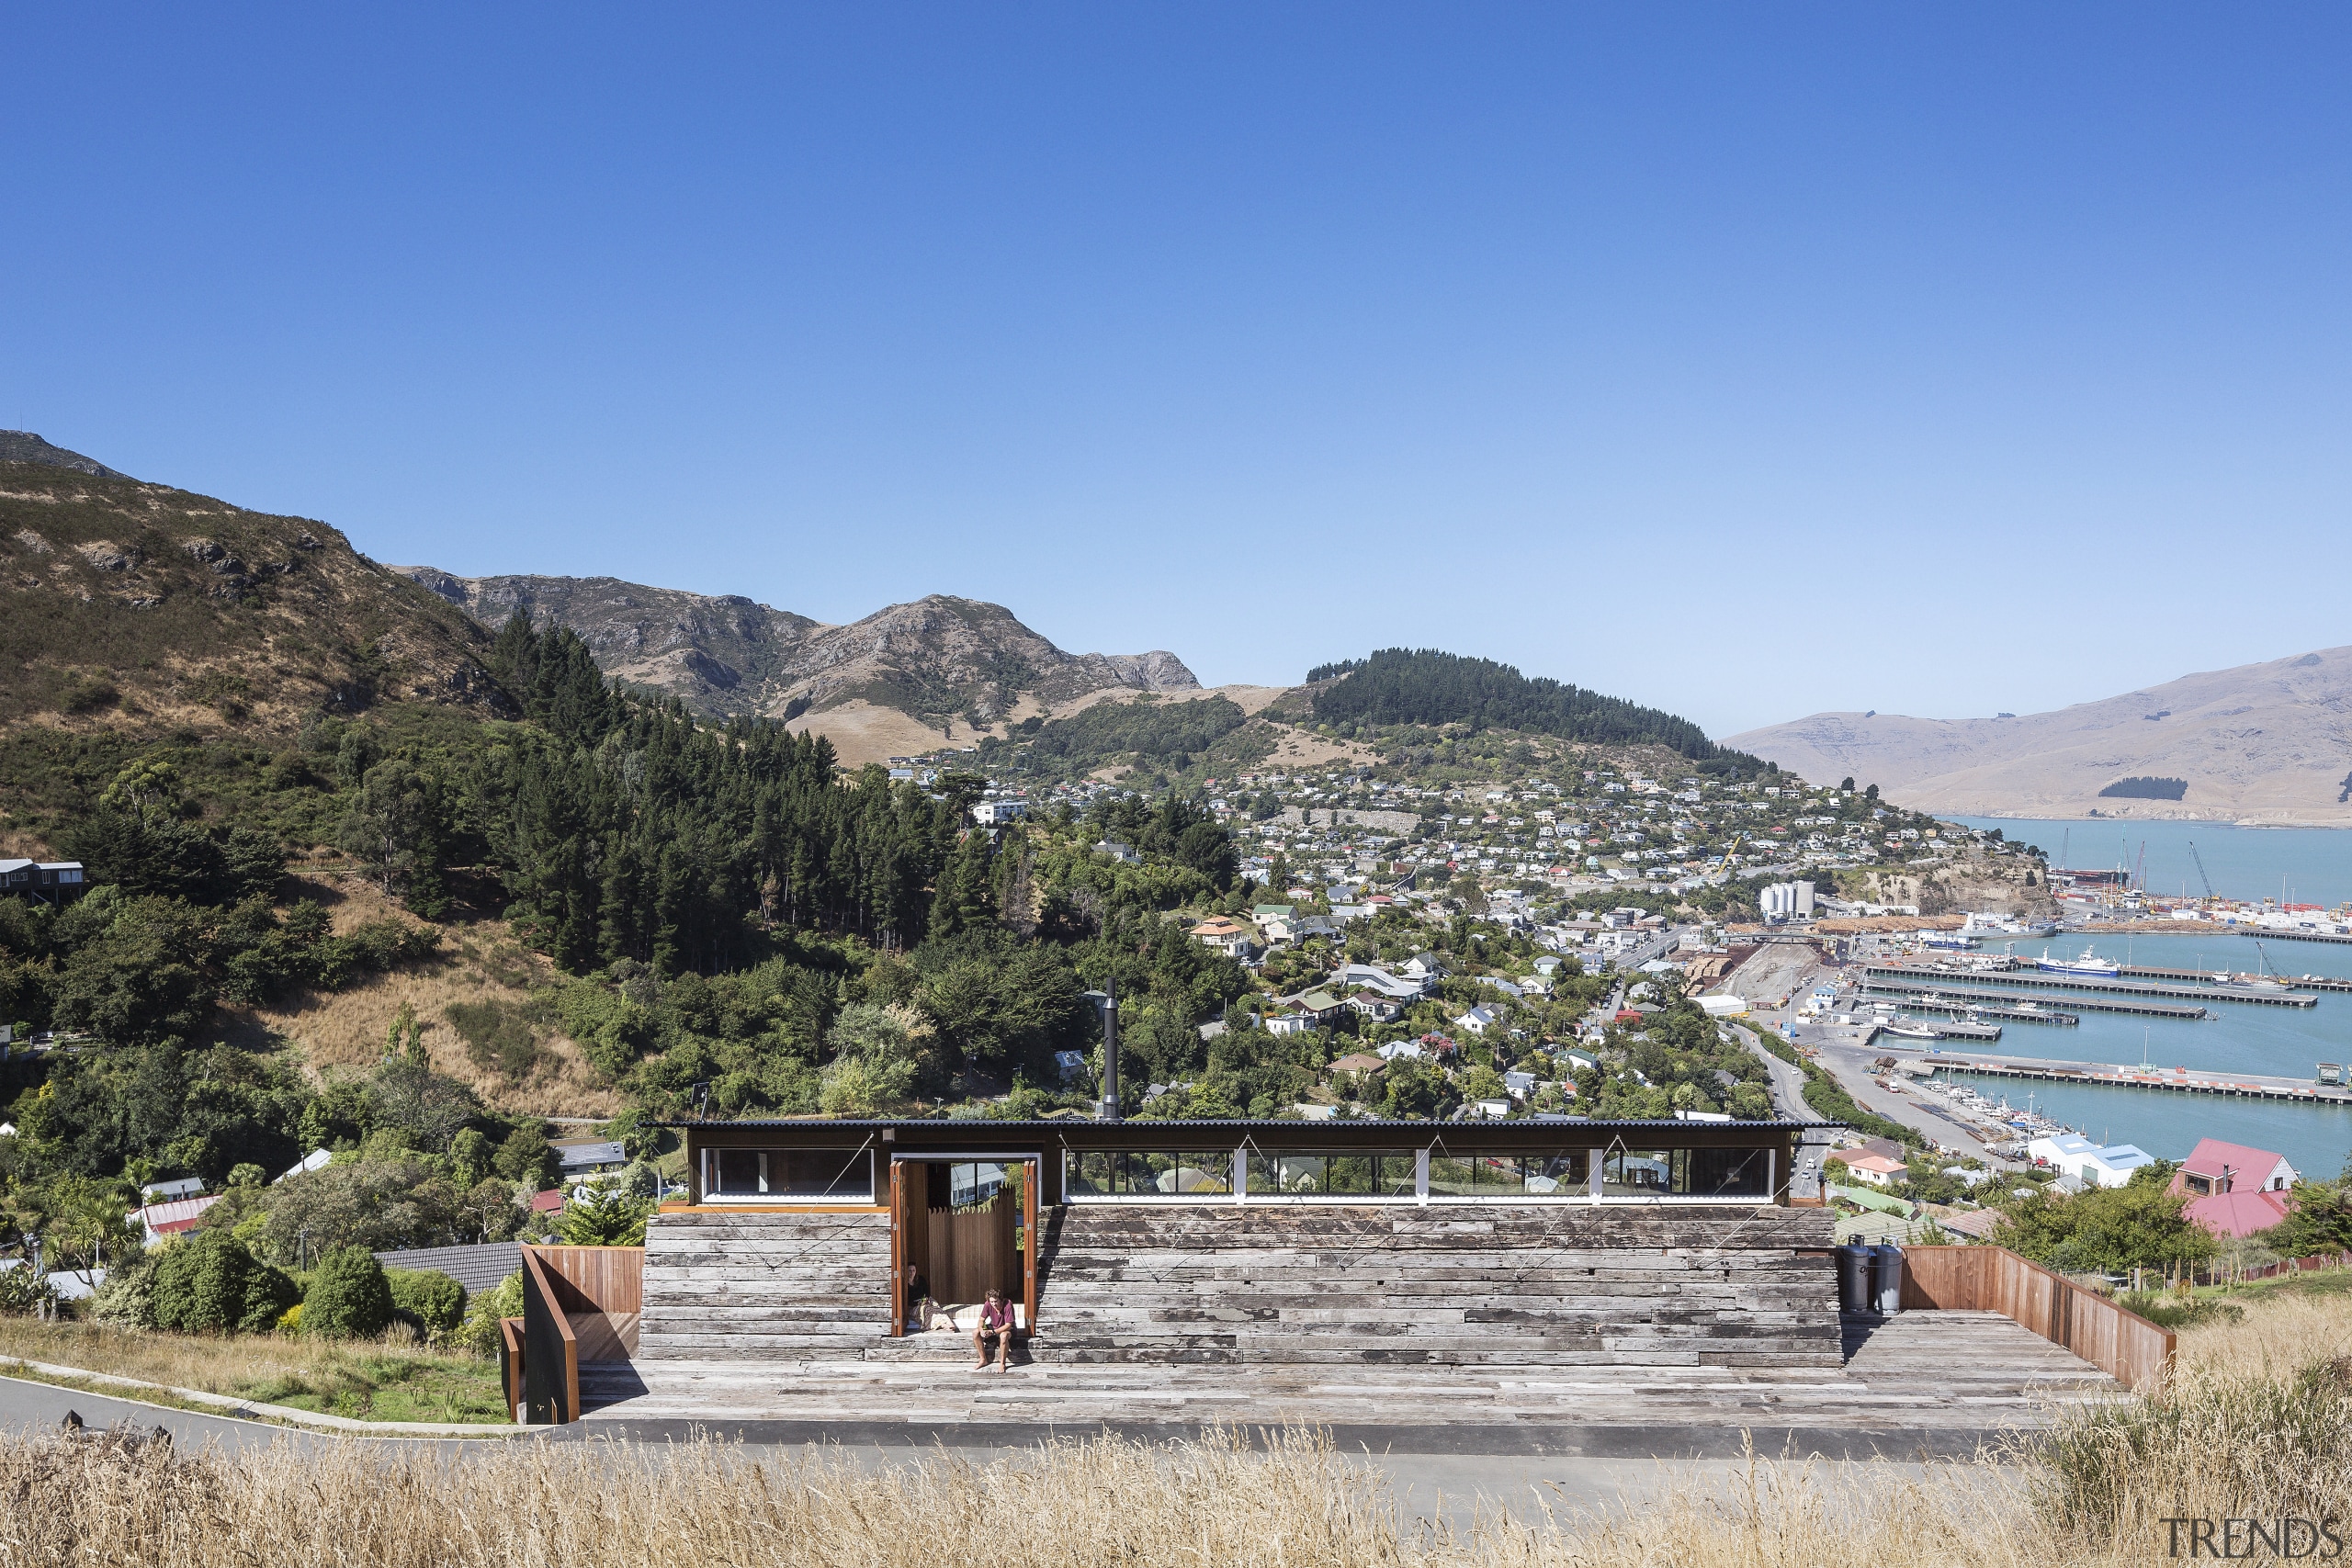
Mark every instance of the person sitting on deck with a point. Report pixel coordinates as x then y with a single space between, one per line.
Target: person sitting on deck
918 1301
994 1334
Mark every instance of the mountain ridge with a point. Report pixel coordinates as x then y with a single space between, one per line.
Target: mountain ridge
938 659
2268 742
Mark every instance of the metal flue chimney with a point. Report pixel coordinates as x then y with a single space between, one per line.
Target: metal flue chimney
1108 1110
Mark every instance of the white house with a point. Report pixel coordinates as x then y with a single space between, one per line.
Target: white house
1476 1020
995 813
2077 1156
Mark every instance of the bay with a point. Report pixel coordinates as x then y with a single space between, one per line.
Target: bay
2285 1041
2309 866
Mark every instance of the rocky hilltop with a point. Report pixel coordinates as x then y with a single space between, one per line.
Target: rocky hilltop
125 604
940 662
2268 743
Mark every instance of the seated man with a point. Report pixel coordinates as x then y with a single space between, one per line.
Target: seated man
994 1334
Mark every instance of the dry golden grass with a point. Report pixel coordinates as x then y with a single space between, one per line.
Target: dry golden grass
484 962
378 1381
1211 1504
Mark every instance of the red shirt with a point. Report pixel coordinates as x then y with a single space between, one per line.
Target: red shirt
996 1314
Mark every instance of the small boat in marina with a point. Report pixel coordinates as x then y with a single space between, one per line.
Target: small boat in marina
2090 962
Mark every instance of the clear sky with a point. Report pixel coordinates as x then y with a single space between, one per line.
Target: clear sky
1746 360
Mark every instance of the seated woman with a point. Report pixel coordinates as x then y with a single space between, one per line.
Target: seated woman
994 1334
918 1300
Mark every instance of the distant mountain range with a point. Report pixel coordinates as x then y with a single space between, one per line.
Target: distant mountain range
2264 743
940 662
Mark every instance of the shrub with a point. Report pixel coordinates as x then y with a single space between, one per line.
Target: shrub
22 1293
127 1298
431 1300
480 1333
605 1217
349 1297
210 1281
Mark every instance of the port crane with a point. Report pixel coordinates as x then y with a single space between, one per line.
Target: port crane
2211 899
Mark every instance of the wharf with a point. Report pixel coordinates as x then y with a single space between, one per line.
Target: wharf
2308 982
1928 1002
2264 995
1997 998
2180 1080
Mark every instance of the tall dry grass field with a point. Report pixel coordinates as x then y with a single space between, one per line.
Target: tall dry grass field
2258 1427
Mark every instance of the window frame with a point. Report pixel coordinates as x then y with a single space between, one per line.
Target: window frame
840 1195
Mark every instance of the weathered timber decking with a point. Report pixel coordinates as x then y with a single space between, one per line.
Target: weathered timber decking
1490 1326
1960 1371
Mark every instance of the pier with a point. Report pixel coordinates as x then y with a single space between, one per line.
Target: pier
2308 982
2262 995
1981 998
2178 1080
1931 1003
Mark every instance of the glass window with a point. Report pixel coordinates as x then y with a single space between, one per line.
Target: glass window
737 1173
1507 1175
1641 1173
1128 1173
1730 1173
1369 1173
805 1174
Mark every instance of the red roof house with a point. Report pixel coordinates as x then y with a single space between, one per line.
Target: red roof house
2234 1190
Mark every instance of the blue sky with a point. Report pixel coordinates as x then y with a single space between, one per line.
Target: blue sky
1745 360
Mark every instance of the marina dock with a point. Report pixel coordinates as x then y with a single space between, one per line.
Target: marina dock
1928 1002
2308 982
2080 985
1985 1000
2178 1080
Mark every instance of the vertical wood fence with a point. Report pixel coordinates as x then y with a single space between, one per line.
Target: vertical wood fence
2121 1343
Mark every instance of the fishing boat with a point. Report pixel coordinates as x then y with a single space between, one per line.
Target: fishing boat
1909 1029
2090 962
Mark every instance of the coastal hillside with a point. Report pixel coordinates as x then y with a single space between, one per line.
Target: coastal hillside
129 605
2266 743
906 677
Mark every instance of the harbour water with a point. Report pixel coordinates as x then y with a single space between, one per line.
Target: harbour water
2311 865
2288 1042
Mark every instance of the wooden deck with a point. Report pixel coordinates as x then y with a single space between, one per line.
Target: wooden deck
1957 1372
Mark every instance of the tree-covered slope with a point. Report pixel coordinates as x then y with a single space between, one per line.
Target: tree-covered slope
1424 686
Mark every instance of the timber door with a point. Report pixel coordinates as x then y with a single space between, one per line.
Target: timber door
960 1228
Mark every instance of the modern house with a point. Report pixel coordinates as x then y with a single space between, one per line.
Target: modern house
2087 1162
1534 1243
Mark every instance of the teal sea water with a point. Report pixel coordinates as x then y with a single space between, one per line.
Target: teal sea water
2316 864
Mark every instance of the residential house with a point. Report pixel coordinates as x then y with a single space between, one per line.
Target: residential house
1873 1171
2087 1162
2235 1191
1126 854
1422 966
1375 1007
996 813
1520 1084
1374 977
50 881
1224 933
175 1217
1477 1019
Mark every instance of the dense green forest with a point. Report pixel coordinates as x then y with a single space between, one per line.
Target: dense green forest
723 908
1423 686
1149 731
